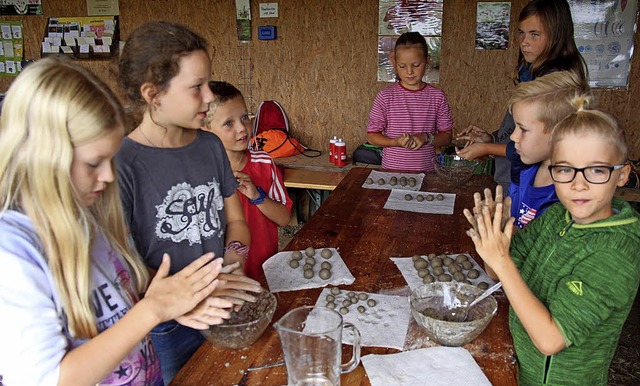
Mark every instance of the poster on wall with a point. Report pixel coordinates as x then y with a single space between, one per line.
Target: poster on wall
11 48
492 25
243 20
396 17
20 7
604 32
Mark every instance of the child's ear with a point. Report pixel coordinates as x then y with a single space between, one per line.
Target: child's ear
624 175
148 91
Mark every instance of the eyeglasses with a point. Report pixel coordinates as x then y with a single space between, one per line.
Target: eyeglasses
593 174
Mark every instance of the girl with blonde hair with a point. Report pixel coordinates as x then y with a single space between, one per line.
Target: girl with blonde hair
69 280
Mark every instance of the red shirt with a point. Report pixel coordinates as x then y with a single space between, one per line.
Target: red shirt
264 232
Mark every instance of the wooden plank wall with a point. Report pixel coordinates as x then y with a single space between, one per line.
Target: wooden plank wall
322 67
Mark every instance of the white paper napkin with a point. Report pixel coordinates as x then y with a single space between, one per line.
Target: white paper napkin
382 325
375 175
436 366
281 277
398 201
410 273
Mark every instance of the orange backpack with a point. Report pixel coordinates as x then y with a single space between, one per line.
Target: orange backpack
271 132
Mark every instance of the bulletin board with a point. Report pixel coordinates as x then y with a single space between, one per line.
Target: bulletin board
11 48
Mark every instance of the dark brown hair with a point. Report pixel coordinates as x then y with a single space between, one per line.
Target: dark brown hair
413 39
561 54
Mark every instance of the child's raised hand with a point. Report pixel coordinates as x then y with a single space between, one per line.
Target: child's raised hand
491 204
474 134
175 295
246 187
490 239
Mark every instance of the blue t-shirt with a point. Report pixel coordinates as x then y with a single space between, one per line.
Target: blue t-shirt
528 201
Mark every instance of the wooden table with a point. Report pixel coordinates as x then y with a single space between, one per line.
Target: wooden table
353 220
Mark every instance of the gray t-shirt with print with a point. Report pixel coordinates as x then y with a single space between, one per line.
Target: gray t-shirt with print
174 198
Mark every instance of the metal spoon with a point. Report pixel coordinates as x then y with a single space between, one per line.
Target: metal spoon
459 314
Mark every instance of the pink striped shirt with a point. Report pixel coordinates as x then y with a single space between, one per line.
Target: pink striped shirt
397 110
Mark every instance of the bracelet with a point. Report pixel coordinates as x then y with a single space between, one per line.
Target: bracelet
431 138
238 247
260 198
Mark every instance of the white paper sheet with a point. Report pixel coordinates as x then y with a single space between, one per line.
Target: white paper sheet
436 366
281 277
397 201
383 325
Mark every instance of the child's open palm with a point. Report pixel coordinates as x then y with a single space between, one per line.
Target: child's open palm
491 238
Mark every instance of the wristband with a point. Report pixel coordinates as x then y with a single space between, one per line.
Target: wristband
431 138
260 198
238 247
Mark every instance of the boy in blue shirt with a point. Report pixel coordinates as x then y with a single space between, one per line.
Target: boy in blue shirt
537 106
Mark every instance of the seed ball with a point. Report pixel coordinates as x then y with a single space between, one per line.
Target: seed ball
461 258
330 298
294 264
307 266
308 273
416 257
447 261
473 274
408 197
423 272
453 268
419 198
351 294
331 305
325 265
442 256
412 181
381 181
346 302
467 265
310 251
393 181
431 256
428 279
335 291
310 260
429 197
420 264
459 276
369 181
444 277
467 281
326 253
371 303
436 262
344 310
324 274
363 296
354 300
483 285
296 255
438 271
439 197
361 309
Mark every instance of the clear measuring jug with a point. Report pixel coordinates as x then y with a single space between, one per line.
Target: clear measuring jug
311 339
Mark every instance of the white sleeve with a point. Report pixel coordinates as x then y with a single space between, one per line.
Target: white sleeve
32 334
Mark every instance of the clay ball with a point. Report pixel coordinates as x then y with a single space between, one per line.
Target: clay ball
428 279
393 181
423 272
381 181
324 274
346 302
330 298
444 277
453 268
416 257
431 256
438 271
369 181
419 198
408 197
310 260
361 309
296 255
363 296
439 197
447 261
483 285
473 274
307 266
308 273
325 265
310 251
459 276
371 303
461 258
429 197
436 262
335 291
420 263
331 305
294 264
344 310
467 265
326 253
412 181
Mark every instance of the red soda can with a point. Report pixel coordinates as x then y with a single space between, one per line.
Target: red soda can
340 153
332 149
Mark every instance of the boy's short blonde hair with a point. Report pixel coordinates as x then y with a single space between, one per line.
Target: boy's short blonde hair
552 94
598 122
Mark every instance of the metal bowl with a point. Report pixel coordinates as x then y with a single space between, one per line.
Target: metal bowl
454 168
430 305
245 326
